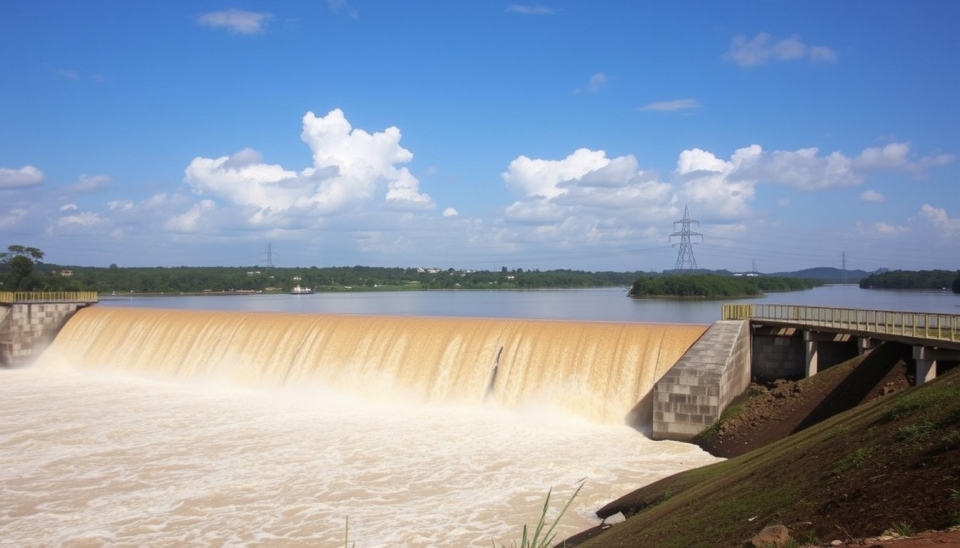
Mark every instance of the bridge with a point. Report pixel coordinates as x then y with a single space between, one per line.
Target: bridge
29 321
769 341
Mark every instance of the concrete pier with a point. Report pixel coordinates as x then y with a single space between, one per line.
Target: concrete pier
715 370
29 322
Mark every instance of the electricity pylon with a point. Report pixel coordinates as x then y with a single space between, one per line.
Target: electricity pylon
685 258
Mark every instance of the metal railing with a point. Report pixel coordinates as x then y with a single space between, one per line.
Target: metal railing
943 327
15 297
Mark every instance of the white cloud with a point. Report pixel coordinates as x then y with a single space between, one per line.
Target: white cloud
19 178
88 183
450 212
763 49
68 74
871 196
337 6
86 219
707 182
939 218
885 229
350 167
68 207
672 106
525 9
236 21
13 217
544 178
191 221
596 83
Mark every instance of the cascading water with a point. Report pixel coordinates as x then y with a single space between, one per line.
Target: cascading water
272 429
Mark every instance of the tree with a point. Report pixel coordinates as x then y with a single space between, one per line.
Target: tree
21 260
956 283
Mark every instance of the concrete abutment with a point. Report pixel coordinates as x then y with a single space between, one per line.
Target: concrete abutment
26 329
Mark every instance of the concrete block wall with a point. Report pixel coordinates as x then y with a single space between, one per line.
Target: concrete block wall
779 355
715 370
26 329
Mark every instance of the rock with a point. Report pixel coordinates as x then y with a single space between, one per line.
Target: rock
614 519
771 535
836 542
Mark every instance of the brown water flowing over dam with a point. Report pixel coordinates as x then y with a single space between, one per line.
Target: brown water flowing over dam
603 372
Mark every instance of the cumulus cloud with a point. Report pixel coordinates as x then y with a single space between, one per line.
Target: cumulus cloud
763 49
450 212
586 192
350 167
871 196
68 207
26 176
672 106
938 218
83 220
236 21
526 9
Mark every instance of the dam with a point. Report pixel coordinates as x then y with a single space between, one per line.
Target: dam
170 427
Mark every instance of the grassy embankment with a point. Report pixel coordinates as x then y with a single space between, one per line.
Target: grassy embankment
891 463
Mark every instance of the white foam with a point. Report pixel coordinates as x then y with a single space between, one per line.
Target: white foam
114 459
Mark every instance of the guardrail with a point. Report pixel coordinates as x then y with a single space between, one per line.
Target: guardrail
943 327
16 297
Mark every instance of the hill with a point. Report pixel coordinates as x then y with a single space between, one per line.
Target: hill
892 462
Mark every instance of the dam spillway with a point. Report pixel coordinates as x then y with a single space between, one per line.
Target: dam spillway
600 371
169 428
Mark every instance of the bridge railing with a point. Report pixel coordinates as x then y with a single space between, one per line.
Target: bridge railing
944 327
14 297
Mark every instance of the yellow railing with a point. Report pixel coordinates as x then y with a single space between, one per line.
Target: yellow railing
943 327
11 297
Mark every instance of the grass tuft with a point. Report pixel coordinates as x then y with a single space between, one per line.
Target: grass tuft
541 538
903 529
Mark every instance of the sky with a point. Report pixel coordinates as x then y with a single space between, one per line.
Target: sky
482 134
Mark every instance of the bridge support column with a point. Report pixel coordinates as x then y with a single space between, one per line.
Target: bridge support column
865 345
812 340
927 358
813 360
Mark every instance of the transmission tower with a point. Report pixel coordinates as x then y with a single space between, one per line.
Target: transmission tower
269 254
685 258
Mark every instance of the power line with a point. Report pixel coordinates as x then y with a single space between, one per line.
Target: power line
685 258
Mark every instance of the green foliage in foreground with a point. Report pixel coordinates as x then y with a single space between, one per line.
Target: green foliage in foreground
909 279
713 286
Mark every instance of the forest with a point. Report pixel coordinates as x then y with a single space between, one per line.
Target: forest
713 286
908 279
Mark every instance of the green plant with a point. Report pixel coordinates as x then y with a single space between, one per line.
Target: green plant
915 432
903 529
852 460
346 535
951 439
541 538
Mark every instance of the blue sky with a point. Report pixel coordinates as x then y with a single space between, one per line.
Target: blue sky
481 134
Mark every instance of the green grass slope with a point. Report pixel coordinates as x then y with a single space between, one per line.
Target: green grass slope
891 462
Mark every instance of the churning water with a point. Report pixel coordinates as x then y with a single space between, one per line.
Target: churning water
172 428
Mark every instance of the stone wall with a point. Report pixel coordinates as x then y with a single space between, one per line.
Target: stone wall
26 329
715 370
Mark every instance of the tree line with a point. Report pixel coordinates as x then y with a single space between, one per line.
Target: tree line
714 286
907 279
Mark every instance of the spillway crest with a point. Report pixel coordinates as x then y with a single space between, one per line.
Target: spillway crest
601 371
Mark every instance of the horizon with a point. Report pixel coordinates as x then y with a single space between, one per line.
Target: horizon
543 135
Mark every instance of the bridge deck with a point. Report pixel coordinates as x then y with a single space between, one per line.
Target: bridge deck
881 324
